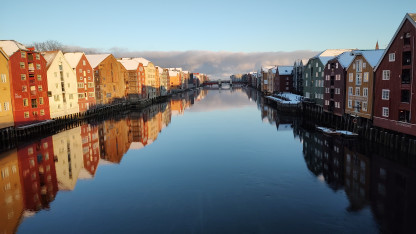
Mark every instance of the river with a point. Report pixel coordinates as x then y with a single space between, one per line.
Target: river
208 161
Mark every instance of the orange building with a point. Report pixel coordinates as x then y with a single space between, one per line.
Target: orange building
115 141
11 199
109 76
175 79
133 84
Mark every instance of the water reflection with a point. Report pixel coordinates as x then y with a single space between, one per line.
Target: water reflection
371 177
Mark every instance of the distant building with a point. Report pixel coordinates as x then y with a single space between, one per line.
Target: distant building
283 80
62 85
6 108
85 80
298 68
133 81
29 90
394 98
149 78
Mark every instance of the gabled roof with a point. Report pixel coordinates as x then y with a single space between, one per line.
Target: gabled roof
412 19
372 56
4 53
329 54
129 65
285 70
73 58
49 57
143 61
266 68
11 46
95 59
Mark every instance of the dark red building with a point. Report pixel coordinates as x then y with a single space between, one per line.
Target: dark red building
283 80
334 83
37 174
90 147
29 87
394 97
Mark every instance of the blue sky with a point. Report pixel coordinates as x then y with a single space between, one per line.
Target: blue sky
237 26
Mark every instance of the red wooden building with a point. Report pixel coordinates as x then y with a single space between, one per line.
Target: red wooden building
394 97
37 174
85 80
334 83
29 87
90 148
283 80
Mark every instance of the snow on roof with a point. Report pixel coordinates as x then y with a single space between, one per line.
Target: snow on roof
372 56
329 54
73 58
11 46
129 65
160 70
345 58
413 16
173 73
136 145
285 70
143 61
95 59
267 68
49 57
175 69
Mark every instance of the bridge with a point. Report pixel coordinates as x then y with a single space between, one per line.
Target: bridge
221 82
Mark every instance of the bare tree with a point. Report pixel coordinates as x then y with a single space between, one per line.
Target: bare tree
48 45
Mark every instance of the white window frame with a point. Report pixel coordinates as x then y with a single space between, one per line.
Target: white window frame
365 92
350 77
385 112
392 57
386 75
385 94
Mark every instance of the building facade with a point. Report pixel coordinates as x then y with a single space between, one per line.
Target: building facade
298 76
283 79
62 85
29 87
133 81
85 80
394 100
359 83
6 108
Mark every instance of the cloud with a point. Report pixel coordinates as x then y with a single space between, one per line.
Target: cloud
217 64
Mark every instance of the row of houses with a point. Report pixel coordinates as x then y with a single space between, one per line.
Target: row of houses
37 86
34 173
374 85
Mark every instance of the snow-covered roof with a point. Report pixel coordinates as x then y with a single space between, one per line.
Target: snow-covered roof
49 57
73 58
301 62
95 59
160 70
285 70
143 61
11 46
136 145
372 56
266 68
175 69
329 54
173 73
412 19
345 58
129 64
186 72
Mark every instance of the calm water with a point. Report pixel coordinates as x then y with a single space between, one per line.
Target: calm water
212 161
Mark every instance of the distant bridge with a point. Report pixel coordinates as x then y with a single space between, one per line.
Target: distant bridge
220 82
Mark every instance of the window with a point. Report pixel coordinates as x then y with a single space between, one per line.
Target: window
6 106
88 71
24 88
338 77
385 94
385 112
23 76
358 66
23 54
350 77
25 102
364 65
392 57
34 103
42 112
81 85
357 91
326 90
39 77
3 78
365 76
365 106
80 70
90 85
336 65
83 62
386 75
317 74
26 114
91 94
357 106
41 100
38 66
37 57
329 66
306 82
337 91
306 75
404 116
365 92
358 79
326 102
84 73
349 103
80 95
316 64
40 88
405 96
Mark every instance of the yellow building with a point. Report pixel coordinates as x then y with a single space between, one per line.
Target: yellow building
11 199
69 161
6 112
150 77
62 85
